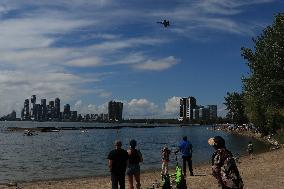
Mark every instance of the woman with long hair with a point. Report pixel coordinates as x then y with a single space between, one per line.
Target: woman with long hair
133 170
224 167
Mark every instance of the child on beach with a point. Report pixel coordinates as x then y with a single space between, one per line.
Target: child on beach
165 160
250 149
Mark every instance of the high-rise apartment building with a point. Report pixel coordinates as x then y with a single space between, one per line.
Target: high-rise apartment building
66 112
50 110
33 107
186 108
44 109
73 116
115 111
203 113
212 112
57 108
26 112
195 113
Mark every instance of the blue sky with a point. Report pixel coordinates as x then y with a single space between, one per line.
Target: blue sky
90 52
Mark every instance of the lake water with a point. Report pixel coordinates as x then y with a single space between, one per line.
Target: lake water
71 153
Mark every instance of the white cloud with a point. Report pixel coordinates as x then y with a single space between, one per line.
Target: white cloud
140 108
35 32
85 62
104 94
91 108
111 46
172 105
15 86
105 36
78 104
157 65
103 108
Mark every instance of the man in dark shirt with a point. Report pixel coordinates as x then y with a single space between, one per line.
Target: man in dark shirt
118 159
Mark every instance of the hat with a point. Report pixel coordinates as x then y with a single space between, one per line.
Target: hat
217 142
133 143
211 141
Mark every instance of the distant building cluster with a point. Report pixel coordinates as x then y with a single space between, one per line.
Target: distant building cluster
190 111
47 112
51 112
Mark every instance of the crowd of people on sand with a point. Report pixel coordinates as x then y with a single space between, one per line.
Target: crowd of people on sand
238 128
250 130
127 162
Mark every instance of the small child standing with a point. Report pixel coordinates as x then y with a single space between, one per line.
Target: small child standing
165 160
250 149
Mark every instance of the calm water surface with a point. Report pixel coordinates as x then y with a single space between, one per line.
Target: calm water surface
68 154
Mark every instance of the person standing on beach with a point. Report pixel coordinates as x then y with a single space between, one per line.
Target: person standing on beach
133 169
250 149
224 167
165 160
118 160
185 147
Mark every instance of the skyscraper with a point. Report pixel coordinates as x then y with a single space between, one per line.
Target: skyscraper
33 107
57 108
115 111
186 108
66 112
26 110
50 110
44 109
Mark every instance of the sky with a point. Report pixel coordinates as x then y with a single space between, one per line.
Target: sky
90 52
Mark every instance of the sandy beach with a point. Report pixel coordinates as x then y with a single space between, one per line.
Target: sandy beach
265 171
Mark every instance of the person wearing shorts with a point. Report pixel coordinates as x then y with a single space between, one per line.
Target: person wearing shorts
133 169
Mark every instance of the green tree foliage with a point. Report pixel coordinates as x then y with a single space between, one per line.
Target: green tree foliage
235 105
264 86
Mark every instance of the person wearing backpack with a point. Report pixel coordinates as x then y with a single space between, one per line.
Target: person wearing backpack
224 167
133 170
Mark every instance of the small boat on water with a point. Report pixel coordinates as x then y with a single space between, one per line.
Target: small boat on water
84 131
54 130
50 129
28 133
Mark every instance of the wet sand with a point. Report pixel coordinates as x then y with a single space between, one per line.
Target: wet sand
265 171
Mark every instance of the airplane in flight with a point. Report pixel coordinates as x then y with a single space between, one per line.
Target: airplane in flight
166 23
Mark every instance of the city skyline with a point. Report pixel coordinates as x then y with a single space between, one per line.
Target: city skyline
189 110
90 52
51 111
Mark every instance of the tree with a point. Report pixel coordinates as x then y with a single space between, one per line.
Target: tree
235 106
264 86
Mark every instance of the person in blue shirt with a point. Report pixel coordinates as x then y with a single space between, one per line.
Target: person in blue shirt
185 147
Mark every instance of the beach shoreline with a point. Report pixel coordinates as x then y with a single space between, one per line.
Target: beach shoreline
265 170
